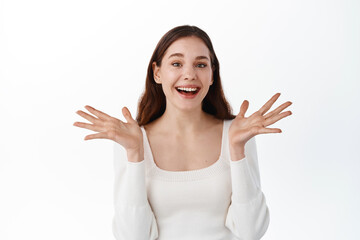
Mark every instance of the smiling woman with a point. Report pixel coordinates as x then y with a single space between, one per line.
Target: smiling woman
184 60
190 167
184 51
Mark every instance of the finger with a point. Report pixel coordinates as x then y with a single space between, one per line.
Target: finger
244 107
127 115
88 126
101 135
278 110
87 116
268 104
270 130
276 118
97 113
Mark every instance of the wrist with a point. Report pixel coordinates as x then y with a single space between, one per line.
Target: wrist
135 155
237 152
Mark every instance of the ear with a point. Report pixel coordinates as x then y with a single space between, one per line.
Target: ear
156 71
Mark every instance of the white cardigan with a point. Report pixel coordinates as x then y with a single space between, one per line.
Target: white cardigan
221 202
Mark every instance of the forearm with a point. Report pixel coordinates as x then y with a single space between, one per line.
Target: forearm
243 182
133 218
248 214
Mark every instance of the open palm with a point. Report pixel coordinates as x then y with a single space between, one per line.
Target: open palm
244 128
128 134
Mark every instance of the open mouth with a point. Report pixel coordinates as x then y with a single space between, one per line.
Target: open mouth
188 91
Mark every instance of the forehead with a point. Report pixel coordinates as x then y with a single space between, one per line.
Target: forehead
189 46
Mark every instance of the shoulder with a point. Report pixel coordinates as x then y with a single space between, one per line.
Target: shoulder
152 128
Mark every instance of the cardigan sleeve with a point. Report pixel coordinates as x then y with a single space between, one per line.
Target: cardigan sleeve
133 217
248 215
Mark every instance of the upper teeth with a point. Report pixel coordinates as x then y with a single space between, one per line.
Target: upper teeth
187 89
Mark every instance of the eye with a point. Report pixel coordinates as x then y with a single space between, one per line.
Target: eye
202 65
176 64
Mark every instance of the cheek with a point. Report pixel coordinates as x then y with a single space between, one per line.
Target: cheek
206 76
170 78
173 74
168 85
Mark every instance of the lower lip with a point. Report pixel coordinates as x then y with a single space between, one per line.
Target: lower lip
188 96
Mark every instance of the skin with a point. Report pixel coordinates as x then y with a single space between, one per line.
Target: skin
244 128
184 116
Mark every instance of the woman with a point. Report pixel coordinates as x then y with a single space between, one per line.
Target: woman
190 170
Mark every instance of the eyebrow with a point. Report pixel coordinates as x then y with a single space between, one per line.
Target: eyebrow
182 55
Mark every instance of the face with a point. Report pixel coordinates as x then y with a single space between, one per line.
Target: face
185 63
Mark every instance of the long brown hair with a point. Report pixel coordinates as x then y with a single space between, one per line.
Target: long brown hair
152 102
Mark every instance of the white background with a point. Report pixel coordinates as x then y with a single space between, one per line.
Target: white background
58 56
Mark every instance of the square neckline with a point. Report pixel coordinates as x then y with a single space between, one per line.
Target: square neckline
208 168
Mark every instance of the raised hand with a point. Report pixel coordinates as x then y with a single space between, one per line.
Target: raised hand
128 134
244 128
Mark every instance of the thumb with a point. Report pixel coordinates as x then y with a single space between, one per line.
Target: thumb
244 108
127 115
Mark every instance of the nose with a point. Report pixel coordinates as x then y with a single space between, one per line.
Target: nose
189 72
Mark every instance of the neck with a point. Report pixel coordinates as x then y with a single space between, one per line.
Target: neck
185 122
